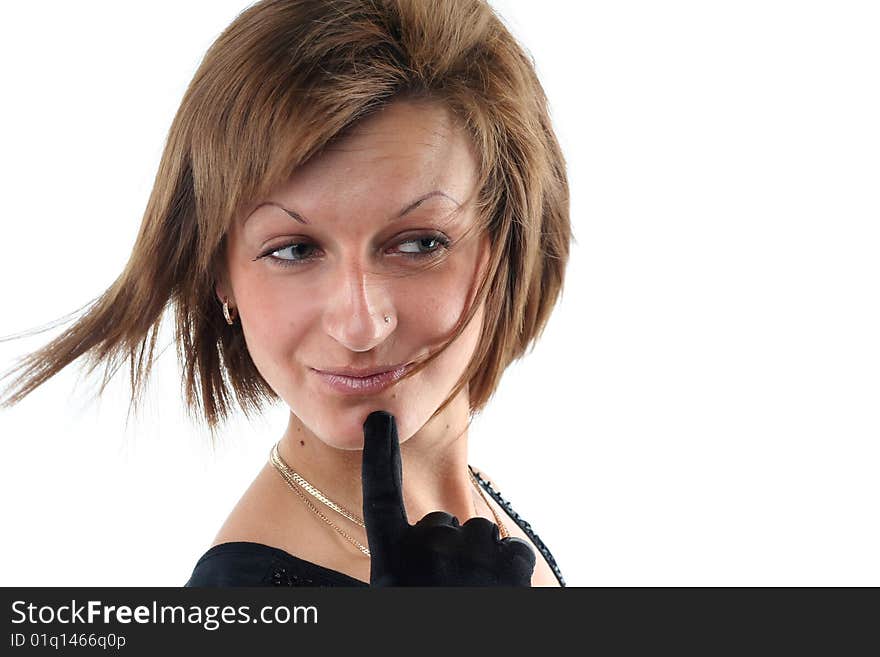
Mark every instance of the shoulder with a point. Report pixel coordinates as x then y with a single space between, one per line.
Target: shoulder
265 515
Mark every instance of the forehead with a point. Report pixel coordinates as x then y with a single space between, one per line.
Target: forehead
394 155
419 129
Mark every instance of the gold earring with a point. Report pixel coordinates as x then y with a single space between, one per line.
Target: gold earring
229 320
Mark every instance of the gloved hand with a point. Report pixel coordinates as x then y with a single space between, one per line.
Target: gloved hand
437 550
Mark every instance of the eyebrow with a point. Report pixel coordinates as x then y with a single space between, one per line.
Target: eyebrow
412 206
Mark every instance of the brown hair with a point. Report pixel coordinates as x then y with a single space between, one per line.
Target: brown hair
284 79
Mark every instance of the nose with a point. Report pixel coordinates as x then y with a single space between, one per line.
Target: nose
356 306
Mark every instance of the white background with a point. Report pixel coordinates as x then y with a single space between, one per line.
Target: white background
703 406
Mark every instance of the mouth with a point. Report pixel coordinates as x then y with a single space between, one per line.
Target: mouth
361 385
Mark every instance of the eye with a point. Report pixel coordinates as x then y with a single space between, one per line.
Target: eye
296 248
422 241
434 244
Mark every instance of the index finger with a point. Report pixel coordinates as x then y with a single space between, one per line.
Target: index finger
382 481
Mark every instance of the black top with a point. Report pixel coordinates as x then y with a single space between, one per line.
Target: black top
244 563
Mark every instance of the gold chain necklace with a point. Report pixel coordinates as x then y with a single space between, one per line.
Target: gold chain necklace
295 481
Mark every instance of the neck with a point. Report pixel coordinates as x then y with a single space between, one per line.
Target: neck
434 464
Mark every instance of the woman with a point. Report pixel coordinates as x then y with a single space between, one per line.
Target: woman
350 187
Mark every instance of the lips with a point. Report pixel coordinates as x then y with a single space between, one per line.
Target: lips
359 373
367 385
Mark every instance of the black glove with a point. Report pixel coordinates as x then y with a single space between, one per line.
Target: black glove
437 550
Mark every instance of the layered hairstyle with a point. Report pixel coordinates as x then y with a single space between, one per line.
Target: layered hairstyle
283 80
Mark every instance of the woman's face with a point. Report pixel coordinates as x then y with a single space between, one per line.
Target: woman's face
320 304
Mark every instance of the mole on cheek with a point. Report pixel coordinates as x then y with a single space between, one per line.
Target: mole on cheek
302 442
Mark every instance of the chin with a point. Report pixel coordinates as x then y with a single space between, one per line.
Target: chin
345 429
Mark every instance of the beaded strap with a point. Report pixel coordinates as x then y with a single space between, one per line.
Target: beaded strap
526 527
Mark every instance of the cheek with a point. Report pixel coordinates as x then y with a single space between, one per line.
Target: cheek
435 301
430 319
430 310
273 322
